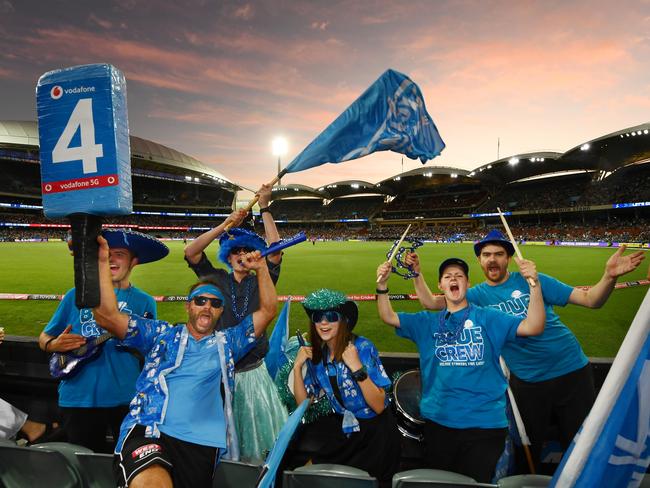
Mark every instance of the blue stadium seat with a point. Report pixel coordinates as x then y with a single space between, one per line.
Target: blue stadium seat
326 476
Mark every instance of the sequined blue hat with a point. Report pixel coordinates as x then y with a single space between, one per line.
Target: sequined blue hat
325 299
238 238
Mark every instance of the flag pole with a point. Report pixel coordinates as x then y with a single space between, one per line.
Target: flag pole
256 198
521 428
531 282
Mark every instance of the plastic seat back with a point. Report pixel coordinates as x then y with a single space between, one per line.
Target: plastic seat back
22 467
235 474
328 475
524 481
97 470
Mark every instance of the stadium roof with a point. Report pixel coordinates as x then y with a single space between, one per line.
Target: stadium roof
294 190
605 153
426 177
146 154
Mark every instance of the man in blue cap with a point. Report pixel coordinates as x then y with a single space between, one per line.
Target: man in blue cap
96 397
550 374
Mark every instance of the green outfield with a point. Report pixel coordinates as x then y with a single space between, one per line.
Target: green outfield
45 268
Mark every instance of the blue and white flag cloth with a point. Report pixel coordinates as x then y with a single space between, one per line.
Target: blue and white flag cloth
389 116
612 447
273 460
277 356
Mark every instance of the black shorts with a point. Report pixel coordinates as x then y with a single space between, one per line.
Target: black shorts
189 465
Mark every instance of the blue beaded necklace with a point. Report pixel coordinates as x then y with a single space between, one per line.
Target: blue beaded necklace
450 335
239 315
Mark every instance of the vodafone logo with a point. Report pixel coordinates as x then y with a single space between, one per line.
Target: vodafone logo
56 92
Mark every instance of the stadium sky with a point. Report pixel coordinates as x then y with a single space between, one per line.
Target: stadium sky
218 80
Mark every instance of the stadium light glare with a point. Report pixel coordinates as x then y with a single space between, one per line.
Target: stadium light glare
279 146
489 167
188 178
585 147
398 178
645 131
543 159
354 185
454 175
513 161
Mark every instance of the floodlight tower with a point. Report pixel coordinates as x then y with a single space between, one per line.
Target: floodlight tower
279 146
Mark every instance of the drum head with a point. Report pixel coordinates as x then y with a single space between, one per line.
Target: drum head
407 393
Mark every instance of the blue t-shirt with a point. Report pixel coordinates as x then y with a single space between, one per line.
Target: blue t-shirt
553 353
107 380
351 393
195 409
462 383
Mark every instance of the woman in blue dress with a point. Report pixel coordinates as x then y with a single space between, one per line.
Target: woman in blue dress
361 431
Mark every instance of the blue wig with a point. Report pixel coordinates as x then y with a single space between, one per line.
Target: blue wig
238 238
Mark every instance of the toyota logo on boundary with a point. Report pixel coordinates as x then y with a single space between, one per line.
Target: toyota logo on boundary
56 92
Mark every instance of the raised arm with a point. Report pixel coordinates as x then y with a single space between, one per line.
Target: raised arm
268 296
270 230
194 249
106 313
386 312
617 265
427 299
534 323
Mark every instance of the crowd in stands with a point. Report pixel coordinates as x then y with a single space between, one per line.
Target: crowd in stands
314 208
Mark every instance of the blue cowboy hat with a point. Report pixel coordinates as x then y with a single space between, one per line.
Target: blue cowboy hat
238 238
494 237
144 247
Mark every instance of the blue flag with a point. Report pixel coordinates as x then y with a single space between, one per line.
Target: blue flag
389 116
276 357
612 447
274 458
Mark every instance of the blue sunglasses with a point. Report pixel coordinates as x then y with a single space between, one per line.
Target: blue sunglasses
329 315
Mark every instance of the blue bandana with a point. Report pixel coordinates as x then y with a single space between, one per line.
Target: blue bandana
206 289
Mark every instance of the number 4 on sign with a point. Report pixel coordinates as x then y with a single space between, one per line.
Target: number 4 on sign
88 151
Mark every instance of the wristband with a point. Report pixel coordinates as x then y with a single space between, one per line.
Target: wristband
265 209
48 343
360 375
381 292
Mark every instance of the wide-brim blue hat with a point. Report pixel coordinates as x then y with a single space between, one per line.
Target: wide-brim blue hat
495 236
238 238
144 247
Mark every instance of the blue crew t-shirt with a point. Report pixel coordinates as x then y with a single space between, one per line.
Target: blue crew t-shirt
107 380
553 353
462 382
195 408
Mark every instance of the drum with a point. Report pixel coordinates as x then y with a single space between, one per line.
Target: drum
407 392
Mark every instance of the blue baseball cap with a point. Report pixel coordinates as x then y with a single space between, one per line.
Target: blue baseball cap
452 262
494 237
